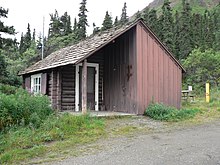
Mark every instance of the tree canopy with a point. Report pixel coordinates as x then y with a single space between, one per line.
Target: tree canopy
83 22
107 23
193 38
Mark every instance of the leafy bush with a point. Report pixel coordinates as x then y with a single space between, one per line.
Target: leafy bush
202 67
166 113
7 89
23 108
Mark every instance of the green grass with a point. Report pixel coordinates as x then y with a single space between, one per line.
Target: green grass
208 111
166 113
197 111
125 130
56 134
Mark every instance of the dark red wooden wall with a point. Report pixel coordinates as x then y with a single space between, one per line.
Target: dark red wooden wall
159 77
120 74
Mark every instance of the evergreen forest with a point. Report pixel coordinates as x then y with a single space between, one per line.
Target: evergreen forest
192 37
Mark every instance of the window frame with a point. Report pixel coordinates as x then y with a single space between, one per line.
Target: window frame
36 83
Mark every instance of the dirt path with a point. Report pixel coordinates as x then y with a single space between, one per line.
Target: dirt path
195 145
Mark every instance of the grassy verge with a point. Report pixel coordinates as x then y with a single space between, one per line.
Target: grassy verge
56 134
207 111
166 113
197 111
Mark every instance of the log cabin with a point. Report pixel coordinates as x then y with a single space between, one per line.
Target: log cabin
122 69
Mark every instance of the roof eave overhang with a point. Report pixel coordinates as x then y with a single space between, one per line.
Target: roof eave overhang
99 48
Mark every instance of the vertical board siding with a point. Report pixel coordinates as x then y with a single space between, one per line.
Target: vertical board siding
139 67
120 73
158 76
161 75
156 70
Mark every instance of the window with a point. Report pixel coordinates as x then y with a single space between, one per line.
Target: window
36 84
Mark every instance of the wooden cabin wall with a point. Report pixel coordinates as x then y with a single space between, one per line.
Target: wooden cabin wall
68 88
53 84
159 76
120 74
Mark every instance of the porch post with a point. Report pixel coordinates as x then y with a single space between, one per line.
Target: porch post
59 88
84 87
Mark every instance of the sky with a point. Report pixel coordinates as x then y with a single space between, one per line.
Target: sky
22 12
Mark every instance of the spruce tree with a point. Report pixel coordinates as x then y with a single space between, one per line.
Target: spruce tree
65 24
197 30
166 22
27 37
34 35
209 31
146 14
216 20
116 23
202 42
5 29
138 15
95 29
83 23
55 25
150 18
176 33
25 42
107 23
75 26
5 43
124 17
3 66
21 45
186 43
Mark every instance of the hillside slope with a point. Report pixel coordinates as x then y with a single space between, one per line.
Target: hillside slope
198 6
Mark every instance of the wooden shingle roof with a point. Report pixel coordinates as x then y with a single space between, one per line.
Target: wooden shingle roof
75 53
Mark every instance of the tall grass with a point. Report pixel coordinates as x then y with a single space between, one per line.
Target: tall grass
20 143
28 125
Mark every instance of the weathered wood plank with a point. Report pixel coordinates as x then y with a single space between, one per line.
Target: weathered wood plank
59 89
84 87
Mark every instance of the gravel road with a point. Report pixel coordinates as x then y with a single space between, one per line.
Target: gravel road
198 145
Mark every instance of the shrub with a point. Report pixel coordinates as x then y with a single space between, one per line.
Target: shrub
22 108
7 89
167 113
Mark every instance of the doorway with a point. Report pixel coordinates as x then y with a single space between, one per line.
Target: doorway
92 87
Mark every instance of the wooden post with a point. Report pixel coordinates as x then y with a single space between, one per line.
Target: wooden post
59 89
84 87
53 89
